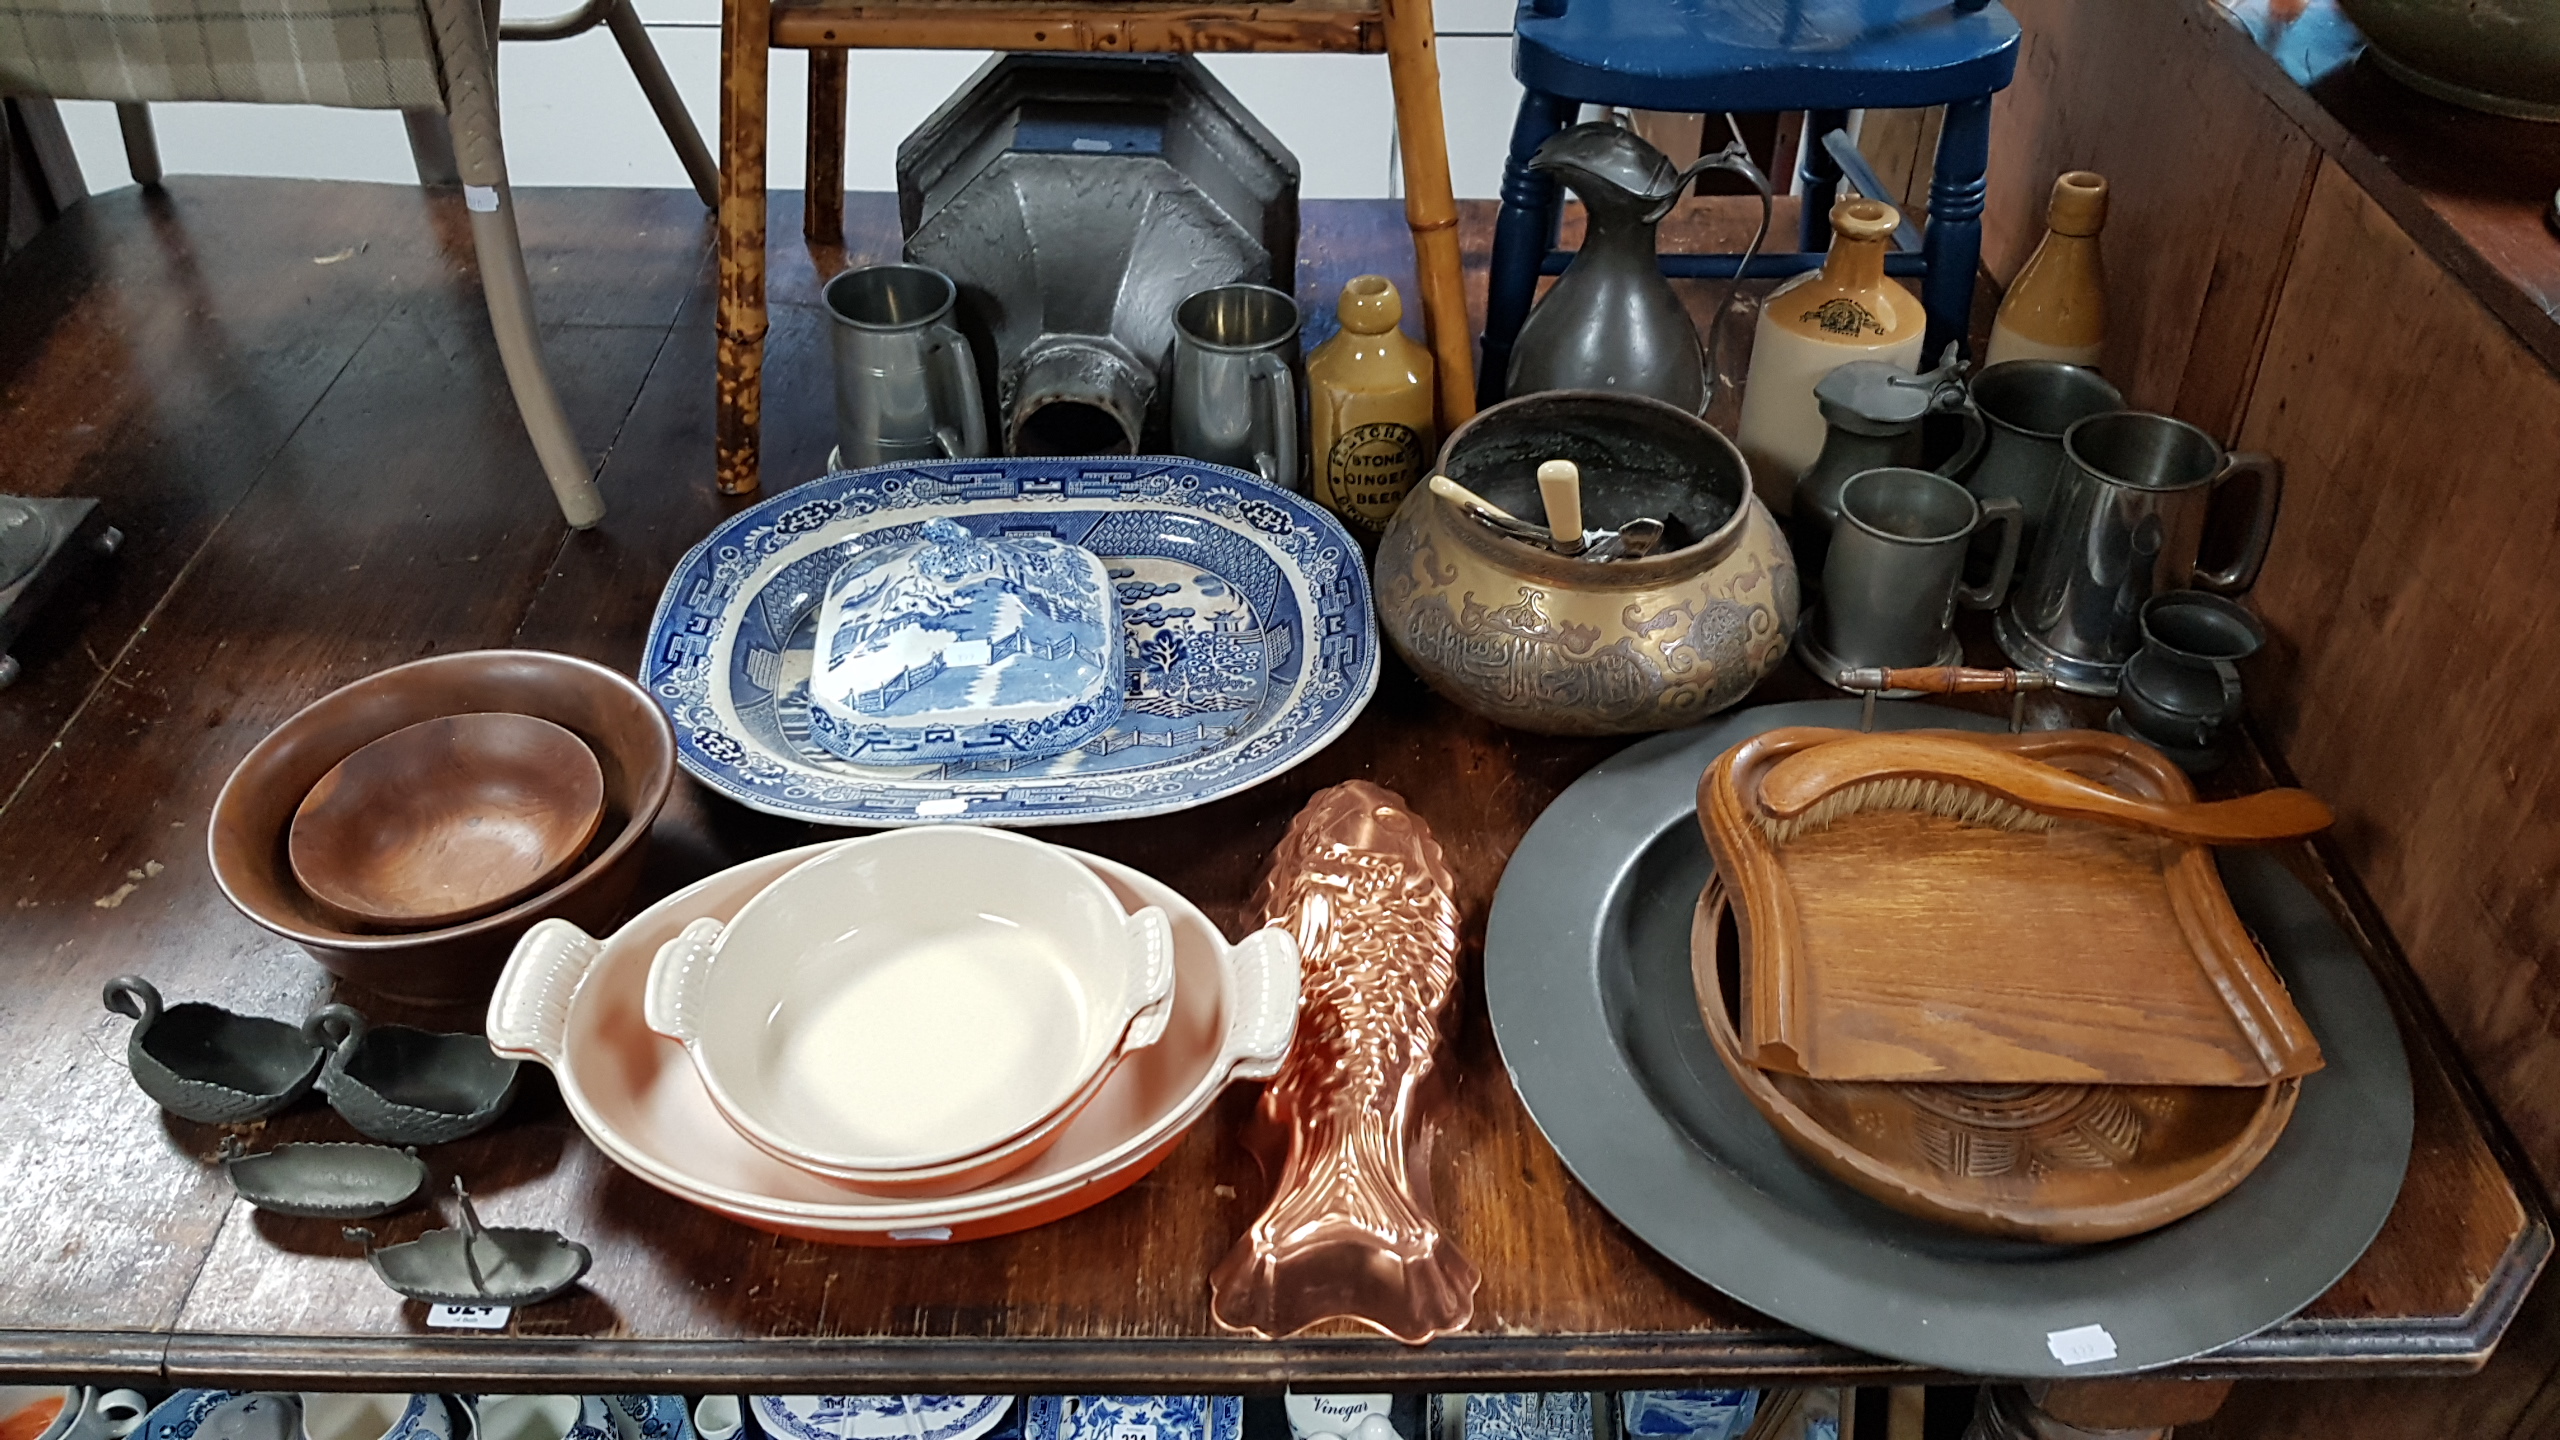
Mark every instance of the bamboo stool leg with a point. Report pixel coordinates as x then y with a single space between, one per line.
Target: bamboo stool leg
746 37
822 218
1431 205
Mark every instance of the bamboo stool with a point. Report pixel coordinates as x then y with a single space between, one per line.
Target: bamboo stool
750 29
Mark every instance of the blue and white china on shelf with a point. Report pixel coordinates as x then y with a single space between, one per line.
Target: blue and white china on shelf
562 1417
718 1417
1133 1417
1561 1416
878 1417
179 1416
79 1412
262 1416
1247 637
331 1416
955 648
1687 1414
660 1417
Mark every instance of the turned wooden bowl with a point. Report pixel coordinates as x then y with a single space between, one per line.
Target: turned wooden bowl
454 964
2062 1164
446 819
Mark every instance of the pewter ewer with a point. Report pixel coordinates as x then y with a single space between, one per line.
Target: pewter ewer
1572 645
1077 200
2127 523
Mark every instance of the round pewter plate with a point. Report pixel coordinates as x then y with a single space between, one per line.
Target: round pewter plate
1586 964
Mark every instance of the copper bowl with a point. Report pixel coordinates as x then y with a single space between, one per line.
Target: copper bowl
455 964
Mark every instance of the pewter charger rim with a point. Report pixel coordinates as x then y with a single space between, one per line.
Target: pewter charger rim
1777 1235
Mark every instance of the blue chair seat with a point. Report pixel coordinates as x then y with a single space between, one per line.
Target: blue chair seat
1750 55
1824 57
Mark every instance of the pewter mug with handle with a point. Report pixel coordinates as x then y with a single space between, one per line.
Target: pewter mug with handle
1895 574
2127 521
906 382
1235 388
2027 404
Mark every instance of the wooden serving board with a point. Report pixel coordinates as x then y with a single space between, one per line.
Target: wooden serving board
1902 946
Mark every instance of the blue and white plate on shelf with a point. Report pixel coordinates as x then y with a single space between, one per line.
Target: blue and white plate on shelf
1249 639
181 1415
1133 1417
878 1417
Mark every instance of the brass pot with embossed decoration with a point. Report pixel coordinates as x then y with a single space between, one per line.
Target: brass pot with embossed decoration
1569 646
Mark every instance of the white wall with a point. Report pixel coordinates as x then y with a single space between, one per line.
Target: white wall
574 116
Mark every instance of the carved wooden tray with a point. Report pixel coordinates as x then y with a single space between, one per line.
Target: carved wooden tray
2064 1164
1895 944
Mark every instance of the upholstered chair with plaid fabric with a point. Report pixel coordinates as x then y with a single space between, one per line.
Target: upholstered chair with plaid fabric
432 55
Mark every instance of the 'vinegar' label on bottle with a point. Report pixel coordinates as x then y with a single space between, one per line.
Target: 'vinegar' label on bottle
1368 470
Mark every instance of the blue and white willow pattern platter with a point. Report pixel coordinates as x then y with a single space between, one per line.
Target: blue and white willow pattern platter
1250 642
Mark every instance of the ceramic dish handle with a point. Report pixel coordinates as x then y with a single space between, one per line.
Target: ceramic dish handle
529 1011
675 980
1150 993
1262 1013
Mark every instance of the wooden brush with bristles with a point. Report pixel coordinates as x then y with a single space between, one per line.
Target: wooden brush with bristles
1950 775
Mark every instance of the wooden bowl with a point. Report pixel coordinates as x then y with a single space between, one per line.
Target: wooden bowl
2062 1164
446 819
454 964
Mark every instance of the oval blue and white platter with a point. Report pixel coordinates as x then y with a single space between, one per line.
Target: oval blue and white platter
1251 643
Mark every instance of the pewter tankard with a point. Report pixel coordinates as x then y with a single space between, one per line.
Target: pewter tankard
2127 519
2027 404
1235 389
1893 578
906 384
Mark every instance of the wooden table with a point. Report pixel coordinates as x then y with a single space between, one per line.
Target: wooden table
320 477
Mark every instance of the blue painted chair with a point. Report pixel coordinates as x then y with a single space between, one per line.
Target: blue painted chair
1824 57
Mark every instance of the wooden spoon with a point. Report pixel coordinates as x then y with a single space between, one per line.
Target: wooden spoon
447 819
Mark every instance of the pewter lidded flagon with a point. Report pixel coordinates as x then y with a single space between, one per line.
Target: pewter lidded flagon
1612 322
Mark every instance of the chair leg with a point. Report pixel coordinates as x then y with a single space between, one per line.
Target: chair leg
1818 180
502 277
746 40
1520 238
471 89
1952 248
822 215
431 147
1431 204
141 146
651 72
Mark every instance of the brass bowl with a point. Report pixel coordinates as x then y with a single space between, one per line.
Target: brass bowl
455 964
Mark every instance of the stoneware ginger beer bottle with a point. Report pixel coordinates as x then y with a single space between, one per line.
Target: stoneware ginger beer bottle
1813 325
1369 395
2057 307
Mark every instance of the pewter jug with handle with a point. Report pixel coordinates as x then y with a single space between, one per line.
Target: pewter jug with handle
1873 413
1895 574
906 382
2181 690
2127 522
1235 387
1611 322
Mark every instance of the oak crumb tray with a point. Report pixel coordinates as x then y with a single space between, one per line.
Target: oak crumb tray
1891 943
2061 1164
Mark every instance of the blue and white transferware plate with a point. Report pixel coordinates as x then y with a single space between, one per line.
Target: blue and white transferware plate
1249 639
179 1416
1133 1417
878 1417
653 1417
1559 1416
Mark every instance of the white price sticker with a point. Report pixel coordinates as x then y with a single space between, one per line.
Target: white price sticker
469 1317
2081 1344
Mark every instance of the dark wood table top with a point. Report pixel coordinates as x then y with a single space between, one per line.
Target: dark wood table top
322 477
